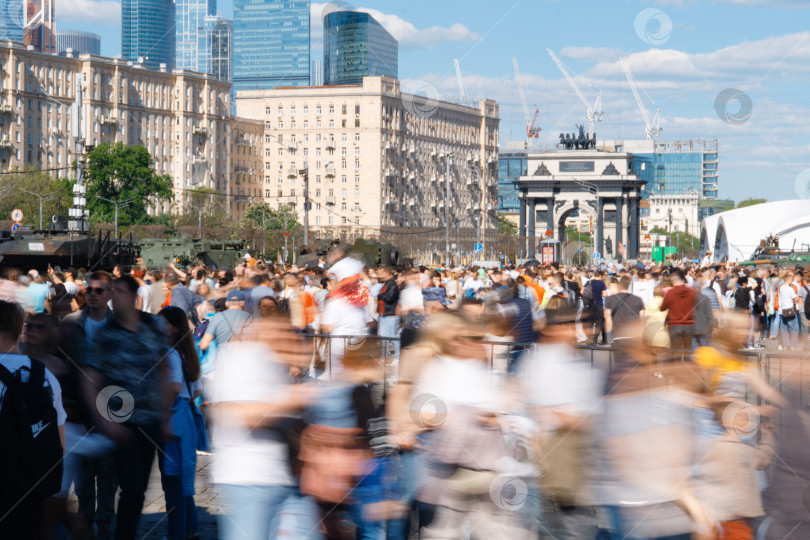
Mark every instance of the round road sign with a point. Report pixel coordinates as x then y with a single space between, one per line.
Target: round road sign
16 215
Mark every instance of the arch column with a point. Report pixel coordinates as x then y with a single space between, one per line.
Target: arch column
600 223
619 226
633 243
522 229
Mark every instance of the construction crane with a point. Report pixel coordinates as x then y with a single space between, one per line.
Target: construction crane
532 129
651 128
594 112
461 91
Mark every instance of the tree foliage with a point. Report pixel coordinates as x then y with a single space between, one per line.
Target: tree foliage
684 241
750 202
273 219
118 172
16 191
505 226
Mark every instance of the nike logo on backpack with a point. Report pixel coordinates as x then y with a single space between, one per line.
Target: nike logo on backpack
37 428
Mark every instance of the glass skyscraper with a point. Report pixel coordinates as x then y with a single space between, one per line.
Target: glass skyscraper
356 46
147 32
271 44
511 166
679 168
11 20
219 48
190 33
81 42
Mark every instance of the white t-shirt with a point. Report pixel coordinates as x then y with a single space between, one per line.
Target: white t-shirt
447 383
250 372
344 318
91 327
411 299
13 363
644 290
786 296
176 374
143 292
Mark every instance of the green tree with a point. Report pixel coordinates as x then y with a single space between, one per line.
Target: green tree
273 219
505 226
117 172
199 205
750 202
685 242
19 190
572 235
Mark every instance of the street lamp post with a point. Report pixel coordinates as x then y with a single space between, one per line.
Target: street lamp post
41 198
118 204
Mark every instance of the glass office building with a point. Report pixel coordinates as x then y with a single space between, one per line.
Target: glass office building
190 17
511 166
679 168
11 20
271 44
80 42
218 47
356 46
147 32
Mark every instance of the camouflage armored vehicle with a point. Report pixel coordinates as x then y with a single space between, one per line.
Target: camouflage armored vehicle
371 252
27 249
184 251
768 253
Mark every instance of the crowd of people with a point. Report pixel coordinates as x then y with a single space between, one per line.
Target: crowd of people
335 400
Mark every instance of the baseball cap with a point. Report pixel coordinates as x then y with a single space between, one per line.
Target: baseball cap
246 256
235 296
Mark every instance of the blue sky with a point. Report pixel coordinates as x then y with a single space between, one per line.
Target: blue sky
683 54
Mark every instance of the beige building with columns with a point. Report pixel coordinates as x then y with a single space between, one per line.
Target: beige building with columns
182 118
377 158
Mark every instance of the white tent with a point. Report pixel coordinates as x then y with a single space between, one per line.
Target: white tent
739 232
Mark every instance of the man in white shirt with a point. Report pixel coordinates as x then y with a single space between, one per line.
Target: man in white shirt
252 395
789 301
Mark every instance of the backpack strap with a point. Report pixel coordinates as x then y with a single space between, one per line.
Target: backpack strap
37 373
7 377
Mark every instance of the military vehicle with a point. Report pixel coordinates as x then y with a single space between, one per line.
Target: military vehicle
27 249
371 252
185 251
768 253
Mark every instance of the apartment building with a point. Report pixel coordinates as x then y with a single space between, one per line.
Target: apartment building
376 158
182 118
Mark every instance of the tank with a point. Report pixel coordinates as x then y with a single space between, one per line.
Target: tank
370 252
27 249
185 251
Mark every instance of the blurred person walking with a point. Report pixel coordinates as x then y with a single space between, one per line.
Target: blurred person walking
127 362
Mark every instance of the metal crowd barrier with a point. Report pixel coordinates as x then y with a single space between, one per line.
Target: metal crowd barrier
781 369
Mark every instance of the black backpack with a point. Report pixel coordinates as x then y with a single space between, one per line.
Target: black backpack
807 303
31 449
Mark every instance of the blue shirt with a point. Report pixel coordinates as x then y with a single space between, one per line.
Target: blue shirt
39 292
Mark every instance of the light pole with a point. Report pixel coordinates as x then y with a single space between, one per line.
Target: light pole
118 204
41 198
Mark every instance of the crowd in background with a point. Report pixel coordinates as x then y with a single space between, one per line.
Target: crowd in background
336 400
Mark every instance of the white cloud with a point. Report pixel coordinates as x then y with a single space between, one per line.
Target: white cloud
408 36
101 12
591 54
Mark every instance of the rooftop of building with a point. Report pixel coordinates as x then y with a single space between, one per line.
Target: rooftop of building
384 85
